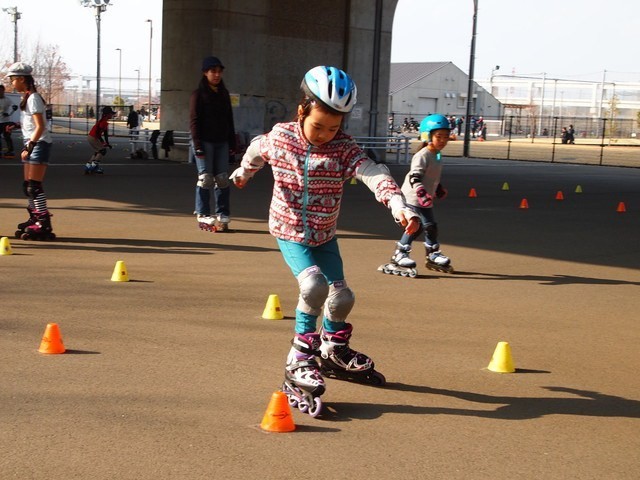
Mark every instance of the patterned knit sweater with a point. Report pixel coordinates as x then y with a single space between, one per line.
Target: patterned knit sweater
309 181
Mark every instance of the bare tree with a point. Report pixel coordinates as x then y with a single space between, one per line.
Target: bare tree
51 72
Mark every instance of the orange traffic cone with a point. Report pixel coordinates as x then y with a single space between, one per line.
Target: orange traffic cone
559 195
621 208
524 203
472 193
278 416
51 341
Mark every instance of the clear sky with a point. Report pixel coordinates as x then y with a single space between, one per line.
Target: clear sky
572 39
566 39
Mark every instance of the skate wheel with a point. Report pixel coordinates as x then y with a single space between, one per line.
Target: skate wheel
413 274
316 408
18 234
293 401
377 379
303 406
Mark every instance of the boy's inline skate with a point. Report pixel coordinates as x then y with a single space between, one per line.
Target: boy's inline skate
93 167
207 223
40 230
401 264
222 223
339 361
303 383
435 260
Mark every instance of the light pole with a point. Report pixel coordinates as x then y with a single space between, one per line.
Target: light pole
150 44
493 71
99 6
472 59
120 74
138 90
13 11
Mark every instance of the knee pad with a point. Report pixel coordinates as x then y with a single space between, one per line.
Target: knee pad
34 188
25 189
205 180
339 302
314 289
222 180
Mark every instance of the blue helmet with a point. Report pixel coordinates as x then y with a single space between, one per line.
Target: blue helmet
433 122
332 87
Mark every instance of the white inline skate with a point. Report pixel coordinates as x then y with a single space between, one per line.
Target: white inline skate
401 264
206 222
436 260
339 361
303 383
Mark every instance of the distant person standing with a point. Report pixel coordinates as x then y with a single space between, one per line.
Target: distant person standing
212 137
133 122
35 154
571 135
6 109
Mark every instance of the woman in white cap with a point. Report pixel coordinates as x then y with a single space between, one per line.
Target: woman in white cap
35 154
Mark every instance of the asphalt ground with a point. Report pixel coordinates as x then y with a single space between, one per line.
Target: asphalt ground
168 376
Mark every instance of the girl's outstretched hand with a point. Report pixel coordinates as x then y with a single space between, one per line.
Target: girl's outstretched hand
412 226
238 179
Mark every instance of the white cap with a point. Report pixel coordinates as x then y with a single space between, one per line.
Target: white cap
19 69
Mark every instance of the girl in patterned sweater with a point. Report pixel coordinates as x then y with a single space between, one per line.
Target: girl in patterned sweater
311 159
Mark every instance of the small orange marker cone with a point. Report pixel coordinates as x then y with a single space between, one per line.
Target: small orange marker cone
472 193
524 203
559 195
51 341
273 311
278 416
5 246
621 208
502 362
120 272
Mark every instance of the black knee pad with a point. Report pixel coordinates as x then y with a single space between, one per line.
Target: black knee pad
34 188
25 188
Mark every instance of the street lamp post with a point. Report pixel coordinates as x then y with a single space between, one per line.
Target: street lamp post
15 14
99 6
120 74
138 89
472 58
150 44
493 71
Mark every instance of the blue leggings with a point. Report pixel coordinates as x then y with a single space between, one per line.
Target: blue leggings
327 258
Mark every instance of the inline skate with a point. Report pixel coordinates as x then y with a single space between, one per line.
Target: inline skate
40 230
339 361
401 264
436 260
93 167
303 383
207 223
222 223
23 226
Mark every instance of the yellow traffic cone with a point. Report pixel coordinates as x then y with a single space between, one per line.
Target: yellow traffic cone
272 310
505 186
5 246
578 189
502 362
120 272
354 181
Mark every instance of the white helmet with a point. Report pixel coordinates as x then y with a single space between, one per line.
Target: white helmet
332 87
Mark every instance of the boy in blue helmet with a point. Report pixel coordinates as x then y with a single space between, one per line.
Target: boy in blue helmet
421 185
